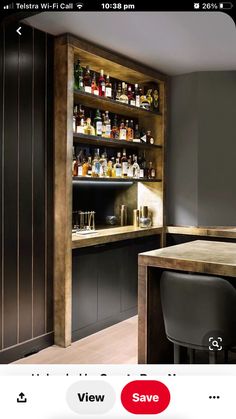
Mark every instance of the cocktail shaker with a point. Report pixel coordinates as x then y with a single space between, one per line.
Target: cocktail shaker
123 215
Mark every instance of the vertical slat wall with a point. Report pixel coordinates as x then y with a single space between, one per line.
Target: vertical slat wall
26 193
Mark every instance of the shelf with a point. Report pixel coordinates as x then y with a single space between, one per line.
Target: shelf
106 104
88 179
112 235
108 142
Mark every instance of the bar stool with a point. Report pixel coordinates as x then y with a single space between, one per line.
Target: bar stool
194 308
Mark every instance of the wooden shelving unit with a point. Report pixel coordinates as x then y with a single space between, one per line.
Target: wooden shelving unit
108 142
149 192
111 180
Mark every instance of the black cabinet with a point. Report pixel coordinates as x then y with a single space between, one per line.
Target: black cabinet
105 283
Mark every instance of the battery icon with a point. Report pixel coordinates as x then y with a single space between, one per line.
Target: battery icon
226 5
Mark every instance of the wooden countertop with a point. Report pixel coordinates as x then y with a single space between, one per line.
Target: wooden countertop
212 257
115 234
218 231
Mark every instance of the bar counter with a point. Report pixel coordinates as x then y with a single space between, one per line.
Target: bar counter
200 256
218 231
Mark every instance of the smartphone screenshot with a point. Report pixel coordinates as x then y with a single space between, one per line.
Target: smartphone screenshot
117 210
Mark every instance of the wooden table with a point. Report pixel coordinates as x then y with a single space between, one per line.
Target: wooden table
209 257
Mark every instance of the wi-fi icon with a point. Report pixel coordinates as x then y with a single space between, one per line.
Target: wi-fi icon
79 5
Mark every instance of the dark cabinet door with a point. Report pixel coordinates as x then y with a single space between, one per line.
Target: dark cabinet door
84 288
109 278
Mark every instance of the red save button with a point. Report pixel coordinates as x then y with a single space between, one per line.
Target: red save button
145 397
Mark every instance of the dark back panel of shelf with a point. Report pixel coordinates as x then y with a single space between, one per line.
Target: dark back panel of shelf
26 89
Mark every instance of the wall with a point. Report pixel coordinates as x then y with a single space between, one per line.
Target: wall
26 89
202 149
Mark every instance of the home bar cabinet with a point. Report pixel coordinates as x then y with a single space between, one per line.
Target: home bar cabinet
95 275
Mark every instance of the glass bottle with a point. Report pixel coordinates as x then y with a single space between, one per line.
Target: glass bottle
108 89
96 164
119 90
98 123
107 125
130 131
101 84
114 91
130 168
136 95
150 99
151 171
137 133
94 87
78 76
89 172
124 164
80 127
131 96
122 130
113 167
136 168
109 168
74 163
118 169
115 130
155 97
89 129
123 97
85 167
103 164
87 80
149 138
80 159
142 165
103 125
144 103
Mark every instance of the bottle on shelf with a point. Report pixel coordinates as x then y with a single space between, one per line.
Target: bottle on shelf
123 97
78 76
89 171
136 134
115 130
80 159
149 137
136 168
88 128
122 130
74 163
108 87
144 103
142 166
155 96
119 91
131 96
102 84
114 91
150 99
130 168
151 171
109 168
107 125
124 164
118 169
98 123
80 127
87 80
85 167
103 125
103 164
113 167
94 87
130 131
96 164
136 95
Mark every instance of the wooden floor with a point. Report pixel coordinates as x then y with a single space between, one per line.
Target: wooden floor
115 345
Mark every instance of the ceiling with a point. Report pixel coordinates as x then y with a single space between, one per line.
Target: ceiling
171 42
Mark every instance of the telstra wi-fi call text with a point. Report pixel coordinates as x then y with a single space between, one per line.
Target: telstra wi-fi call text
45 6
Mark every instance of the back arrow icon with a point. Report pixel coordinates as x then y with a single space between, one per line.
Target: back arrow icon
19 30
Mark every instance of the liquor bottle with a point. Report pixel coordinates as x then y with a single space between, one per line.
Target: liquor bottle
136 134
122 131
80 159
142 166
136 168
107 125
87 80
144 103
149 138
113 167
115 130
101 84
89 172
124 164
96 164
118 169
131 96
80 127
78 76
150 99
94 87
151 171
74 163
89 129
108 90
103 125
103 164
155 97
114 91
85 167
130 131
136 95
98 123
119 91
130 168
109 168
123 97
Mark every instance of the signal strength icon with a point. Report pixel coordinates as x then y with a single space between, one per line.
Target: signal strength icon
79 5
9 6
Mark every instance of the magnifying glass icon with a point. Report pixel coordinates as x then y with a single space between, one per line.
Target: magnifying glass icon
215 344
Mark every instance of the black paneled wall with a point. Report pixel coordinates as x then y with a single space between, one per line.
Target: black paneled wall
26 210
